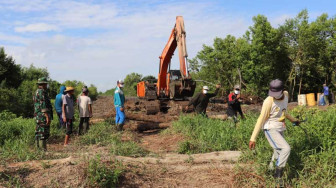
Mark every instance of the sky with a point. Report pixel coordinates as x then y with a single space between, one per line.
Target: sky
101 41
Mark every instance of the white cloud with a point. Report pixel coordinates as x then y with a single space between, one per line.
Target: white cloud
131 40
37 27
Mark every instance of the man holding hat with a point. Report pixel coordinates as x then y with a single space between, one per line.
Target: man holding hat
272 122
201 100
42 112
68 113
234 102
119 100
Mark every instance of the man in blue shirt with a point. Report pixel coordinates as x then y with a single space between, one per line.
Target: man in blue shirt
119 100
326 93
58 105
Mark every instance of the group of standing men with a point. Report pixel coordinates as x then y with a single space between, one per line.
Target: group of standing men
65 109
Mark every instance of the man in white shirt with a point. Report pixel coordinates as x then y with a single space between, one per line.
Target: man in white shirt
85 110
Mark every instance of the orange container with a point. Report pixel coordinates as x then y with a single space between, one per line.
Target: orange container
311 99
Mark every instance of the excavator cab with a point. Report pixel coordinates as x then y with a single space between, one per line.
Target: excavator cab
180 88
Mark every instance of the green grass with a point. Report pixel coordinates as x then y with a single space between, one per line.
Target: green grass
312 162
17 138
105 134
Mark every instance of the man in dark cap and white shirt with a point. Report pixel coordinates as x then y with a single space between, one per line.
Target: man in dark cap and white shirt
272 122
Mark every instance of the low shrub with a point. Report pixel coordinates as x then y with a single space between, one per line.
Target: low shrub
103 174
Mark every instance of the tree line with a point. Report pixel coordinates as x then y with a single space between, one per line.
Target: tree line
18 85
300 52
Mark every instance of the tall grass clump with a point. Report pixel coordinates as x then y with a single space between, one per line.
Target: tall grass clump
106 135
17 138
312 161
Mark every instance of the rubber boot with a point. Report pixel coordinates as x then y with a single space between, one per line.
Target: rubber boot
278 177
66 140
44 145
120 127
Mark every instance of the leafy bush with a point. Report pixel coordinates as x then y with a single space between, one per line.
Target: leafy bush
312 161
102 174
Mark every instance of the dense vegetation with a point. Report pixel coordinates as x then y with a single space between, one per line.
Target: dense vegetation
18 84
312 161
300 52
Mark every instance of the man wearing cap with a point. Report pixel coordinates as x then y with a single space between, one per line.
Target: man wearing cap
119 100
68 113
201 100
85 110
272 122
42 112
234 102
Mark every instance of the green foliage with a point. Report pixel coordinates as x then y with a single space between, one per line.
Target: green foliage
297 52
106 134
312 158
103 174
131 81
78 85
109 92
10 73
17 137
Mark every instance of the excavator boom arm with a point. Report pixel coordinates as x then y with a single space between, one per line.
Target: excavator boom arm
177 39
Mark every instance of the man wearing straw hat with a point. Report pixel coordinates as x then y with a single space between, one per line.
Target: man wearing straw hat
68 113
42 113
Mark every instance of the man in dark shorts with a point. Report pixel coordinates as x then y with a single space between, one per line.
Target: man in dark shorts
68 113
234 102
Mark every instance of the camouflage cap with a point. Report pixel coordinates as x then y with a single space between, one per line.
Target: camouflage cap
42 80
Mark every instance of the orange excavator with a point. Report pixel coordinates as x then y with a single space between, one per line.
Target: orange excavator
171 84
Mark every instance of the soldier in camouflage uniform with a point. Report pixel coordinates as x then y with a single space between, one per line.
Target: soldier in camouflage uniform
42 112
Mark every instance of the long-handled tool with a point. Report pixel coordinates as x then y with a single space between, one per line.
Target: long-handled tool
304 130
205 82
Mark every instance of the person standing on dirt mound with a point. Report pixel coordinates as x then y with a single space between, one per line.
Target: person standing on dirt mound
85 110
234 106
272 122
201 100
59 104
68 113
119 100
42 112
